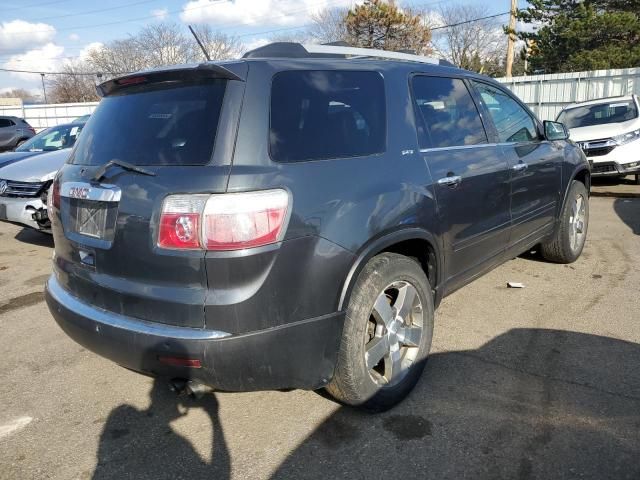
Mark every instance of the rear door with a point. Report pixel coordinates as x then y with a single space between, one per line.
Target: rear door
471 175
106 240
534 162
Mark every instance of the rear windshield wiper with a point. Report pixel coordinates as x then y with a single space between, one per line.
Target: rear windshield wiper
122 164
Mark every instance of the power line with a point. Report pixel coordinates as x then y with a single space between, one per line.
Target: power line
137 19
470 21
246 35
22 7
87 12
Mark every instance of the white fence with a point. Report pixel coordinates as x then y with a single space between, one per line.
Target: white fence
548 94
43 116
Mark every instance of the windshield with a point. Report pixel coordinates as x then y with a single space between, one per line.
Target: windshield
54 138
609 112
154 126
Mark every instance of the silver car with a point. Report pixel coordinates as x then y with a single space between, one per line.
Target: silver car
24 186
14 132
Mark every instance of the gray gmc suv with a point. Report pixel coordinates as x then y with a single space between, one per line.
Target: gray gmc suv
293 218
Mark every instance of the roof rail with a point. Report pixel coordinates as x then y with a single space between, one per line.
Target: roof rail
297 50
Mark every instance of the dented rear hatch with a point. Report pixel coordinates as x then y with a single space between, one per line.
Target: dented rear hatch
153 134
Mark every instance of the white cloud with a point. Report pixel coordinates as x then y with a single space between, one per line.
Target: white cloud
258 42
160 13
43 59
74 37
84 53
256 12
18 35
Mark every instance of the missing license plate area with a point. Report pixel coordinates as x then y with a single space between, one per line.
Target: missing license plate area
93 219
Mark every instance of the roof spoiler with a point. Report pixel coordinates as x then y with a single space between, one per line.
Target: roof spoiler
168 74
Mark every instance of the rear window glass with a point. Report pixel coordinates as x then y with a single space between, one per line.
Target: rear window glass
162 126
610 112
326 114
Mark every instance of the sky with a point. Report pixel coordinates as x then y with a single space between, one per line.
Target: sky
41 34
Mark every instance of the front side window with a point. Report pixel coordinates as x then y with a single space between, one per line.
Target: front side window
447 115
319 115
512 122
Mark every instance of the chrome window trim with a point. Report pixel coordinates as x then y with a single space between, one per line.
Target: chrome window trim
98 193
465 147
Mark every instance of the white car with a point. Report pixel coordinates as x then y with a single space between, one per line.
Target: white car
24 186
608 131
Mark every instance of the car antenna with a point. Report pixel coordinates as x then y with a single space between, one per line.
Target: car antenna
204 50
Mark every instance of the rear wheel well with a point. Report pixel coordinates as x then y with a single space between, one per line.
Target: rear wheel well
421 251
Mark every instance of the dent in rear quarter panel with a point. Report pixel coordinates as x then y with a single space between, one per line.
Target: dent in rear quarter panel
338 207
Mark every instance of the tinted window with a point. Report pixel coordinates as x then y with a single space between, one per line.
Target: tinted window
447 115
322 114
54 138
609 112
157 126
5 122
512 121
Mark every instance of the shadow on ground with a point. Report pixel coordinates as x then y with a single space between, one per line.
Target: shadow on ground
532 403
629 212
34 237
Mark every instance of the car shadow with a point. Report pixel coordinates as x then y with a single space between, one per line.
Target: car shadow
142 444
612 181
34 237
629 212
532 403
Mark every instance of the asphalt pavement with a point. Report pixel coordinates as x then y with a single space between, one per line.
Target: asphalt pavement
541 382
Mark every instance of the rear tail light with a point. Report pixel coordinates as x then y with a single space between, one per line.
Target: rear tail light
230 221
32 130
53 197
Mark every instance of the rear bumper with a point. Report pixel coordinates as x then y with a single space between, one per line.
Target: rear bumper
20 210
297 355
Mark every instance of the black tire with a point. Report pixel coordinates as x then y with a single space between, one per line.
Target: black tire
353 383
560 248
20 142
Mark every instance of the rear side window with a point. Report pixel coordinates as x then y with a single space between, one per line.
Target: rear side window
155 126
512 121
326 114
447 115
5 122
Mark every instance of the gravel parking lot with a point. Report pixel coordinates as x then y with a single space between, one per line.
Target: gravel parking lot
541 382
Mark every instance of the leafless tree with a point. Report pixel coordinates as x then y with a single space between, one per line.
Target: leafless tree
20 93
76 85
479 45
165 44
329 25
220 46
119 56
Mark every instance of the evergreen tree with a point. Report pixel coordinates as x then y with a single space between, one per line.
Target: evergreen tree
576 35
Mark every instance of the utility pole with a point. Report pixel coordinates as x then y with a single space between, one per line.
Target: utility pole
512 39
44 91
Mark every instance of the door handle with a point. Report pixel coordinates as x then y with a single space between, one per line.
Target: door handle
451 181
520 167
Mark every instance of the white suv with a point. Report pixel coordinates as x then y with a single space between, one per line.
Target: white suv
608 131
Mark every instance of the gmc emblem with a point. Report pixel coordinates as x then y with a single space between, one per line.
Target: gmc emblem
79 192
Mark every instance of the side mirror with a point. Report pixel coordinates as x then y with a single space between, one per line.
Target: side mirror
555 131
